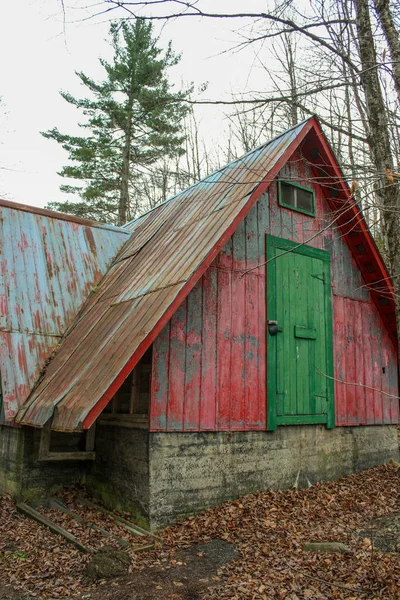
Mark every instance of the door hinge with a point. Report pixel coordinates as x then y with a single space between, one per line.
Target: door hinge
321 277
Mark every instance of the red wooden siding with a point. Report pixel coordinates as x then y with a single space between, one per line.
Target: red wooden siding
209 361
209 367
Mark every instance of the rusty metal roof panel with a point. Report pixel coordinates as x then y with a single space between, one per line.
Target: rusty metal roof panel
151 275
48 266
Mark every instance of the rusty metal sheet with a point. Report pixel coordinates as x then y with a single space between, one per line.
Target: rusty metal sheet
150 277
48 266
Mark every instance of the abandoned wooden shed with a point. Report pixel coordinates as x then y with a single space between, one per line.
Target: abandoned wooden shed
240 336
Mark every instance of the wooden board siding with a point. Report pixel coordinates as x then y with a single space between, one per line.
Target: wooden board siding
209 367
362 352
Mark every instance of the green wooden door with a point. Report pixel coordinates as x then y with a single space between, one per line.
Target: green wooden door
300 363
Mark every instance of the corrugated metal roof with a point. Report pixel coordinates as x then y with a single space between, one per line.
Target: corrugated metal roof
48 265
154 272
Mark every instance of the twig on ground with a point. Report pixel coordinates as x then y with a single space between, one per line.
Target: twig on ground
338 585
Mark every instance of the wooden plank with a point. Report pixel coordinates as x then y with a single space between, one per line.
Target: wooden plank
59 505
177 367
159 389
386 401
90 438
393 385
238 282
208 415
60 456
300 419
224 338
30 512
142 548
254 415
317 350
274 211
127 524
130 421
300 299
297 228
262 227
377 366
359 360
287 223
306 333
272 340
134 400
330 423
285 375
340 360
193 346
368 345
44 445
351 367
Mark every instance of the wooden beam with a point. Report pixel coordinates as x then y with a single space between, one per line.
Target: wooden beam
131 421
59 505
90 438
30 512
45 455
51 456
130 526
44 446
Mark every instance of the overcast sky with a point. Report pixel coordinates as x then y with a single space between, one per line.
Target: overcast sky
39 57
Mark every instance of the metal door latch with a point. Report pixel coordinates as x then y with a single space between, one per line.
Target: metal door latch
273 328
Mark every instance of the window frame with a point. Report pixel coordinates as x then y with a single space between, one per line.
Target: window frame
290 206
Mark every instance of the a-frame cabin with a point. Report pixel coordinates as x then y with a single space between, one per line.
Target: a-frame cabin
244 338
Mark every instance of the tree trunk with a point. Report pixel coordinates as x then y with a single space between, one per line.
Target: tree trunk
123 206
386 19
387 190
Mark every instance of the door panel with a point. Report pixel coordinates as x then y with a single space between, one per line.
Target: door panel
300 354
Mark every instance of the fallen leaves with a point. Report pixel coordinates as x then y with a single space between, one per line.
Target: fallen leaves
268 529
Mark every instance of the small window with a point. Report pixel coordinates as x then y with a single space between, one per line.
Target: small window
297 197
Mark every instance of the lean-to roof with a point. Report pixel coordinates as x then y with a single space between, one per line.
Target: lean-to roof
48 264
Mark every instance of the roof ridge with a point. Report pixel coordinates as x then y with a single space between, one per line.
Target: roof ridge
239 158
54 214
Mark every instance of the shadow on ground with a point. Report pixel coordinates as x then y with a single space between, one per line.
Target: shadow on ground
195 569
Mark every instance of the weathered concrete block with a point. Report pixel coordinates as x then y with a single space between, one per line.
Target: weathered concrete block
192 471
162 477
22 475
11 460
120 474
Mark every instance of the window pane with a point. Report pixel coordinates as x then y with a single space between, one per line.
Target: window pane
304 200
288 194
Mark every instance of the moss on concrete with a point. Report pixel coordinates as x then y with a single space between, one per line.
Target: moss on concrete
114 501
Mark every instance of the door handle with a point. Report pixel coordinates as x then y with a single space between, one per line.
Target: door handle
273 328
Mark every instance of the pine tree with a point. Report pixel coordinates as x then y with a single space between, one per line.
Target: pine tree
134 119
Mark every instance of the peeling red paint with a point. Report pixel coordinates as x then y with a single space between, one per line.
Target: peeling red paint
36 306
225 388
3 305
141 299
22 359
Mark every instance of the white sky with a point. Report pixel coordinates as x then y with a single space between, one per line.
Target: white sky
38 60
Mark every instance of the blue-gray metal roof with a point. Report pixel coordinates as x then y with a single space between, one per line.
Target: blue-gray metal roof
49 263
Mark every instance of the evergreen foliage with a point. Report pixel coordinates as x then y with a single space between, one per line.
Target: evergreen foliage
134 119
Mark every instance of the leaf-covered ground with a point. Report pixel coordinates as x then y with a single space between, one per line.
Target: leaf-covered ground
268 531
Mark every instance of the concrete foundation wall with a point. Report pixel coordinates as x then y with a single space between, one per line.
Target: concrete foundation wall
11 460
193 471
120 474
22 475
162 477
